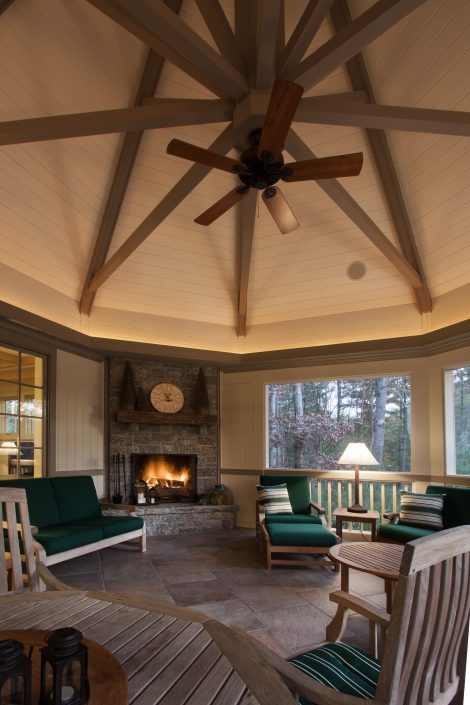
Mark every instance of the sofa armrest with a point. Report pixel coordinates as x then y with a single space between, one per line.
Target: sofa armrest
128 508
34 529
317 508
392 517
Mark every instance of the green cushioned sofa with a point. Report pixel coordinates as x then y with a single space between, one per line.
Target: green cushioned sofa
456 512
68 521
288 539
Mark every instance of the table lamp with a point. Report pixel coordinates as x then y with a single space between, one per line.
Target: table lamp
357 454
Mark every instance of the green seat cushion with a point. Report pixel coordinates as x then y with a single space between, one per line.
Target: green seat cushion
291 519
403 533
342 667
56 539
111 526
456 510
42 506
298 488
76 498
311 535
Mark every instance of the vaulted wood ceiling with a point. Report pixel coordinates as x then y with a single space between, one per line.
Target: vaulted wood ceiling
97 224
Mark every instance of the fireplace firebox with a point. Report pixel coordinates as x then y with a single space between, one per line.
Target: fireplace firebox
169 477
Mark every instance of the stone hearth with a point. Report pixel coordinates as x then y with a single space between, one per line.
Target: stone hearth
168 519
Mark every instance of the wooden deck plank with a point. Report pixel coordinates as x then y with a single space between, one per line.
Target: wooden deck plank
193 676
232 691
156 634
122 639
213 684
21 618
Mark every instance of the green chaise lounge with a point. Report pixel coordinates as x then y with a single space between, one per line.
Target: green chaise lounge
68 521
284 536
456 512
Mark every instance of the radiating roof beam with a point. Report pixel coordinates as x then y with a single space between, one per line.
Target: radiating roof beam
222 34
267 33
300 151
303 34
246 216
167 205
350 40
246 28
162 112
382 155
167 34
5 4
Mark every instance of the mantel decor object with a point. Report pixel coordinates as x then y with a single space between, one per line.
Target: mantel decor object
222 495
357 454
64 669
141 492
15 674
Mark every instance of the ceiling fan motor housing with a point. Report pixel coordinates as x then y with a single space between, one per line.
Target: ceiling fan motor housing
260 173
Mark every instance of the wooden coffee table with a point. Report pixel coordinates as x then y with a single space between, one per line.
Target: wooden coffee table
381 559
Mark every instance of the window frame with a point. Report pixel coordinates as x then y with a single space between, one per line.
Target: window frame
450 447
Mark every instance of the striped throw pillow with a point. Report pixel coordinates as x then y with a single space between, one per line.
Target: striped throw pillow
275 499
422 510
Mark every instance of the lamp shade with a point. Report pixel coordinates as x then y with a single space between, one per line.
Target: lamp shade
357 454
8 447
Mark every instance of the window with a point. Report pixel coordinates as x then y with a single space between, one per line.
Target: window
310 423
457 415
21 413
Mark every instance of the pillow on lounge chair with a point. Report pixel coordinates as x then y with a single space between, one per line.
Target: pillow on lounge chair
423 510
275 499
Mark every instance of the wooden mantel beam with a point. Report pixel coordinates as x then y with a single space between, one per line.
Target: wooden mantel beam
167 34
349 41
360 80
167 205
300 151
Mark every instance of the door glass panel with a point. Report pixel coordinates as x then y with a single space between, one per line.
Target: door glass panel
31 370
8 426
9 364
8 397
31 401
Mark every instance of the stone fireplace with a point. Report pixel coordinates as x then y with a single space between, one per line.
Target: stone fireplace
169 477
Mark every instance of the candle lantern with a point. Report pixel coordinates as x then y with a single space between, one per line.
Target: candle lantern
153 495
64 664
141 491
15 674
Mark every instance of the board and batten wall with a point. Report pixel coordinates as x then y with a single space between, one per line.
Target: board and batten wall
80 417
243 418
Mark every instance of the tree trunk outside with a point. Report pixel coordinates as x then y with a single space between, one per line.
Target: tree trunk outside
299 412
378 429
273 452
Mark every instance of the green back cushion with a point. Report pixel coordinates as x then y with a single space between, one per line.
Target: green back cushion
298 488
456 504
42 506
422 510
342 667
76 498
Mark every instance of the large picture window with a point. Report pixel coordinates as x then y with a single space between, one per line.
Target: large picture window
21 413
457 408
310 423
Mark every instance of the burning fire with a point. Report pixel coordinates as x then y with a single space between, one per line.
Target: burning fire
158 473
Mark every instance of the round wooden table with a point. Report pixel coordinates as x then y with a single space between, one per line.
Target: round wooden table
381 559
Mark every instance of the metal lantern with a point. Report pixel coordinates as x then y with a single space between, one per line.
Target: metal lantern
15 674
152 495
141 492
64 664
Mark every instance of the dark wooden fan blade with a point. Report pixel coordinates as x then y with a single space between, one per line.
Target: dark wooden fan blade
185 150
280 210
326 168
285 98
222 206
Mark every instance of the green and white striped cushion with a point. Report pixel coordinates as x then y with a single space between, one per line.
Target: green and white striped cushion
422 510
275 499
341 667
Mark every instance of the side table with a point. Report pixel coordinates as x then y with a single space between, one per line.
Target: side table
371 517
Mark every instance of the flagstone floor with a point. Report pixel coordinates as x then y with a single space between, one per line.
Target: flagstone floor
223 575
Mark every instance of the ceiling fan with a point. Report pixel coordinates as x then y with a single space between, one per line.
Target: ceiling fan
262 165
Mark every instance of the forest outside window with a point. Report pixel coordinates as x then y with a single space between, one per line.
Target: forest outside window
311 423
457 420
21 413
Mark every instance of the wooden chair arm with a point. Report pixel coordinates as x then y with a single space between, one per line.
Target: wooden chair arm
317 507
366 609
49 580
128 508
19 528
392 517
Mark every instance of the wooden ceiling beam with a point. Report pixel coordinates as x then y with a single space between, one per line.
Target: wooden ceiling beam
360 80
267 42
5 4
162 112
246 216
246 30
167 205
303 34
167 34
384 117
300 151
349 41
222 34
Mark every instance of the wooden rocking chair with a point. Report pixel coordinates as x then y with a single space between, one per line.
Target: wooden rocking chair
429 618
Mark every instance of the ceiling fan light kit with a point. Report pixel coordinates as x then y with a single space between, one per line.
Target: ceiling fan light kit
261 165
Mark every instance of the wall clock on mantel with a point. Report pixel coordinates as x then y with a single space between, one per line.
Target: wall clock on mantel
167 398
